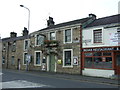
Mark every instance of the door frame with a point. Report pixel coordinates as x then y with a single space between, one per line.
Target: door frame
116 66
48 63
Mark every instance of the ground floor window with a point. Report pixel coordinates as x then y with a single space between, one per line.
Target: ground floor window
67 57
38 58
98 60
3 60
25 58
12 60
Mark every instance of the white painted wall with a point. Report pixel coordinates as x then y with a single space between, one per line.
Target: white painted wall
98 72
106 34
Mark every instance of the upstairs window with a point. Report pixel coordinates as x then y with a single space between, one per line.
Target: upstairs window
118 37
39 40
13 48
68 36
97 36
52 36
26 44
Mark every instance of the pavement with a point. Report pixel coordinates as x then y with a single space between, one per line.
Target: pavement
115 80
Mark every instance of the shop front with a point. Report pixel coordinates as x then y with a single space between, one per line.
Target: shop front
101 61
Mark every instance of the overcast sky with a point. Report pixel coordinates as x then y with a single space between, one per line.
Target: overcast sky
15 18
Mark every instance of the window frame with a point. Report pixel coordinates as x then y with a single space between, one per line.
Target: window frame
50 35
71 58
102 56
35 58
24 58
37 40
65 35
28 40
12 60
99 36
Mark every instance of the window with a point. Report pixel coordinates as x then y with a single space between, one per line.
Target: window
98 60
68 36
118 37
25 58
26 44
4 47
3 60
12 60
52 36
13 48
67 57
39 39
38 58
97 36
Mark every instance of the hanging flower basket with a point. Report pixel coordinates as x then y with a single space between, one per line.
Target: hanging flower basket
51 43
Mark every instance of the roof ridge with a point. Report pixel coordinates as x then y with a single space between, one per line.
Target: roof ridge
108 16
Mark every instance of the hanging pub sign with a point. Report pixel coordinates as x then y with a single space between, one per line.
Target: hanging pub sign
102 49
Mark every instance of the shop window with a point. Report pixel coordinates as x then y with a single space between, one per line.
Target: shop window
88 54
106 53
88 62
97 36
108 62
98 60
97 54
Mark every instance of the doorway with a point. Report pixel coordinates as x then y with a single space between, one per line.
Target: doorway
117 58
18 64
52 63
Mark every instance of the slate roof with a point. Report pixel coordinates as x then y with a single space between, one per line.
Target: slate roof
105 20
78 21
14 39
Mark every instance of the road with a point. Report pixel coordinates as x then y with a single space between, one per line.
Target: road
20 79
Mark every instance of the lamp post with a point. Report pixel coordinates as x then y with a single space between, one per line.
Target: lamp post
28 56
28 15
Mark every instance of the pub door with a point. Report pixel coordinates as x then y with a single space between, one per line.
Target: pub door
52 63
117 58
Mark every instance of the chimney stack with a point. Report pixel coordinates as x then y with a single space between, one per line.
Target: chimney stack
50 22
25 31
13 34
92 15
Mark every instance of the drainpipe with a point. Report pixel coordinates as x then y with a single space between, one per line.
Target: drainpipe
81 63
7 55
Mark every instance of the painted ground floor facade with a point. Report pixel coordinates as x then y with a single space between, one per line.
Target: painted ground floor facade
101 61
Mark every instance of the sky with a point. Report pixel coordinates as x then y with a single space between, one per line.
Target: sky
14 18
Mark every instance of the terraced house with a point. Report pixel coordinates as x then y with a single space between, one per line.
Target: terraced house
101 47
59 45
55 48
12 50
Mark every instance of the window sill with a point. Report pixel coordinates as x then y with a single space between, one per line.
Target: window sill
67 66
100 68
37 65
98 44
67 42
